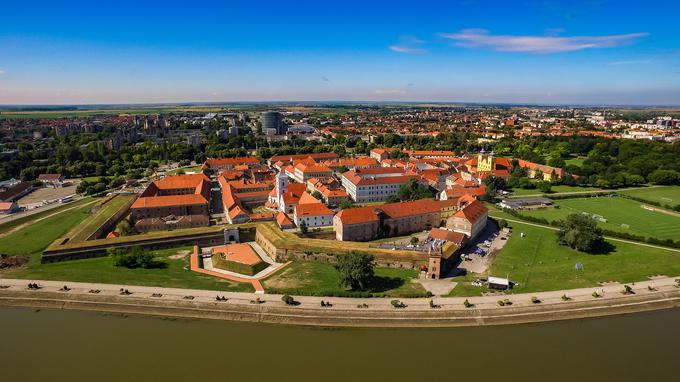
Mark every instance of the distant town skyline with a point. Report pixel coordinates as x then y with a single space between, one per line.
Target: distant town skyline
540 52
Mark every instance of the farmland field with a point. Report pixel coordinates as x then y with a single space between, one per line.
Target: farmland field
616 214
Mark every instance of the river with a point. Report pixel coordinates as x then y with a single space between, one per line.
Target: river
54 345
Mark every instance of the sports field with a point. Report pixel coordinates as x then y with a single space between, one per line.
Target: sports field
538 263
616 214
666 195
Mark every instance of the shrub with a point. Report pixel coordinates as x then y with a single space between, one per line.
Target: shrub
565 297
288 299
468 304
627 290
596 295
535 300
397 304
135 258
505 302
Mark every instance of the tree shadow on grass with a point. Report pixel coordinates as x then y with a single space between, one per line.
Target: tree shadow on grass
384 283
602 248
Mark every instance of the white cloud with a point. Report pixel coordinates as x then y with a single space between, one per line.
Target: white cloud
408 45
630 62
406 49
480 38
2 72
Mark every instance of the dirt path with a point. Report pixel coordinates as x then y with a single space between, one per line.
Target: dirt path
661 210
20 226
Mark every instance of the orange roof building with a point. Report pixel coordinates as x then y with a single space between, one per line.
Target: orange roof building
392 219
171 198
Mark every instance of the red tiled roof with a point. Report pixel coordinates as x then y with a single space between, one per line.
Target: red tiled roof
217 162
283 220
444 234
315 156
472 211
457 191
169 201
314 209
393 210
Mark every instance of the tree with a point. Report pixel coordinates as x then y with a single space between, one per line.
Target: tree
345 204
544 186
136 258
580 232
664 177
317 195
356 270
413 190
502 223
303 227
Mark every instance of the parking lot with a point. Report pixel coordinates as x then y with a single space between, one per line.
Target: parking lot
480 254
46 195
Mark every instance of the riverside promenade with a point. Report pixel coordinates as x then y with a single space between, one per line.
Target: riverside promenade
660 293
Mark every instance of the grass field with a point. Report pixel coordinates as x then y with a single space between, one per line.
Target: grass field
666 195
102 270
186 170
555 189
538 263
35 237
575 161
316 278
8 225
622 215
103 213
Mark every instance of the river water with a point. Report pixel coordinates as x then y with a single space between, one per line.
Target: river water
51 345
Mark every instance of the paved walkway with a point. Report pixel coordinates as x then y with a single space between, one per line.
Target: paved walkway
611 292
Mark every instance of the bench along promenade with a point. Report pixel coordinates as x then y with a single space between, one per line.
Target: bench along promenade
659 293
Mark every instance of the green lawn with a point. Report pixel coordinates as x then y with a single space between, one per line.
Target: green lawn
103 213
35 237
4 227
316 278
186 170
555 189
538 263
666 195
575 161
102 270
622 215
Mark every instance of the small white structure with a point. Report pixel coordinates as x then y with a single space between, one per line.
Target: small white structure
499 283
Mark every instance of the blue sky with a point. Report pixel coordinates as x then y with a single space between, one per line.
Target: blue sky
537 51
